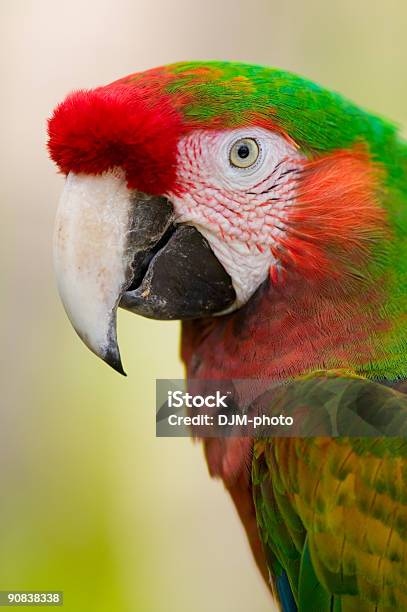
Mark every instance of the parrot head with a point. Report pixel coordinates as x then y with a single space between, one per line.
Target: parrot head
198 190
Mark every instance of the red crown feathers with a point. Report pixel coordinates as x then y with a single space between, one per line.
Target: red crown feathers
92 131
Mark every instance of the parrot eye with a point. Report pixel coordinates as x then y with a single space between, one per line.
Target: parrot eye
244 153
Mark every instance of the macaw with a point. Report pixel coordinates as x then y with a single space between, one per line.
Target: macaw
269 215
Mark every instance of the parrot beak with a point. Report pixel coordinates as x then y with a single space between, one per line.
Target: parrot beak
116 246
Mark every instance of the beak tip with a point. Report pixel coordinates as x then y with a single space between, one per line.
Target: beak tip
112 358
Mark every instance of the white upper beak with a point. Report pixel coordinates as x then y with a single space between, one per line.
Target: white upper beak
92 257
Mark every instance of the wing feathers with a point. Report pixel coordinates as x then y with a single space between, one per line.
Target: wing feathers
334 510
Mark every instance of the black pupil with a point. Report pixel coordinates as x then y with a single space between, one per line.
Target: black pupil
243 151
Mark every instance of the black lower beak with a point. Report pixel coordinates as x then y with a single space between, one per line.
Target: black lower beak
182 279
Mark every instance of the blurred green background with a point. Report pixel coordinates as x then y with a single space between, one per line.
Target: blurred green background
91 502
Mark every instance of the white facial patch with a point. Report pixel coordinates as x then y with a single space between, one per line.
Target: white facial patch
241 211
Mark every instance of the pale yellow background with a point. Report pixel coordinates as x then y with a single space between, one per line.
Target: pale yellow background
90 502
